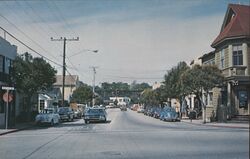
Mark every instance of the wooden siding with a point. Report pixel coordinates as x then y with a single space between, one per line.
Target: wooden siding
226 57
248 53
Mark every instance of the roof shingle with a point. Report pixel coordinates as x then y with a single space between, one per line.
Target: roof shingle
236 23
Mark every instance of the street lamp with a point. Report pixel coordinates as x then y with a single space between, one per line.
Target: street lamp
84 50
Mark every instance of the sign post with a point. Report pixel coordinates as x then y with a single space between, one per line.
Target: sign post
7 98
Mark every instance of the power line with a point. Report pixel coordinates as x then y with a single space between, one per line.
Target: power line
29 47
23 33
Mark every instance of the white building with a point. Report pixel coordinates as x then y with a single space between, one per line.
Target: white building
8 53
121 100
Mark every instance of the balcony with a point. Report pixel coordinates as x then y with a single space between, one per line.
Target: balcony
235 71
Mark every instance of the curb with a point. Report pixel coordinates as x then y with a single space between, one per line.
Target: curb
15 130
218 126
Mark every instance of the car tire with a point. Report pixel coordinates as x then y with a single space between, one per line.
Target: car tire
86 121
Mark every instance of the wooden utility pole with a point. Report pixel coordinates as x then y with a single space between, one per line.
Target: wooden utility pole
93 88
64 63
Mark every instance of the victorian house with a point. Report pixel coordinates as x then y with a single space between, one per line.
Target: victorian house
232 56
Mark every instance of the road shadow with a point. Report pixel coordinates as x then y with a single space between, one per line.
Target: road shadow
99 122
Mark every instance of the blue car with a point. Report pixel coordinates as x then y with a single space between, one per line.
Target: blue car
169 114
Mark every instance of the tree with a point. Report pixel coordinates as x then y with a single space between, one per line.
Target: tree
149 97
32 75
83 94
173 88
201 78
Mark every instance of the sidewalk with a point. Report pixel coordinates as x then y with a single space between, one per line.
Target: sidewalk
18 127
228 124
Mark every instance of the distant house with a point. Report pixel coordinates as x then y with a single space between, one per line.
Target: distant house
49 99
232 56
156 85
120 100
71 84
8 53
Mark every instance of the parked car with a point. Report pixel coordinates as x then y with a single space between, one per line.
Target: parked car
169 114
156 113
66 113
47 116
77 114
123 108
151 111
95 114
140 110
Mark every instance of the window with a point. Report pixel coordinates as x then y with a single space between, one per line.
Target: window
42 104
1 63
243 99
237 55
7 65
222 58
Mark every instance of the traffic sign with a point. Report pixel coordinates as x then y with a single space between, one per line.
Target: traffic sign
7 97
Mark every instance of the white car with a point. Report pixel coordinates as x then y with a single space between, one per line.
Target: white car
48 116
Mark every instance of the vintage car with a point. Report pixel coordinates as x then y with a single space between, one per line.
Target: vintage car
66 113
169 114
48 116
123 108
95 114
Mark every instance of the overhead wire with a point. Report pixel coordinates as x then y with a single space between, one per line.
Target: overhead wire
17 28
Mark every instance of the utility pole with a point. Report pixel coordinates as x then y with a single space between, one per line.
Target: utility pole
93 88
64 63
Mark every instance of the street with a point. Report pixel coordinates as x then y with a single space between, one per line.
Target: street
126 135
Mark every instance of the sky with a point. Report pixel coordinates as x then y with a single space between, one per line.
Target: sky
137 40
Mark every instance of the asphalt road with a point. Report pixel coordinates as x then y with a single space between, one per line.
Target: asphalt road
127 135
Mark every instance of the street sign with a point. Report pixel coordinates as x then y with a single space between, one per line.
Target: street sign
7 88
7 97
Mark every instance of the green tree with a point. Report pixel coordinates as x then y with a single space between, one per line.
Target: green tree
202 78
173 88
83 94
32 75
149 97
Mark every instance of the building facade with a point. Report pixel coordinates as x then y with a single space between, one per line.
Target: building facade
232 57
71 84
8 53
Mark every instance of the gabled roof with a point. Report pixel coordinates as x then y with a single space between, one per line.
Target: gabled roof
236 23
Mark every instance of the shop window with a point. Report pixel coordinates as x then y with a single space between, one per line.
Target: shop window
243 96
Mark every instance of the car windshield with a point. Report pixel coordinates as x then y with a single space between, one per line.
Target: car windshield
124 79
47 111
62 110
95 111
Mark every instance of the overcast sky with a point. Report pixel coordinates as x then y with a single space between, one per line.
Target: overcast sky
137 39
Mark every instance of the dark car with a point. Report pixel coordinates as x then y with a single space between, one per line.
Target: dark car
95 114
66 113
